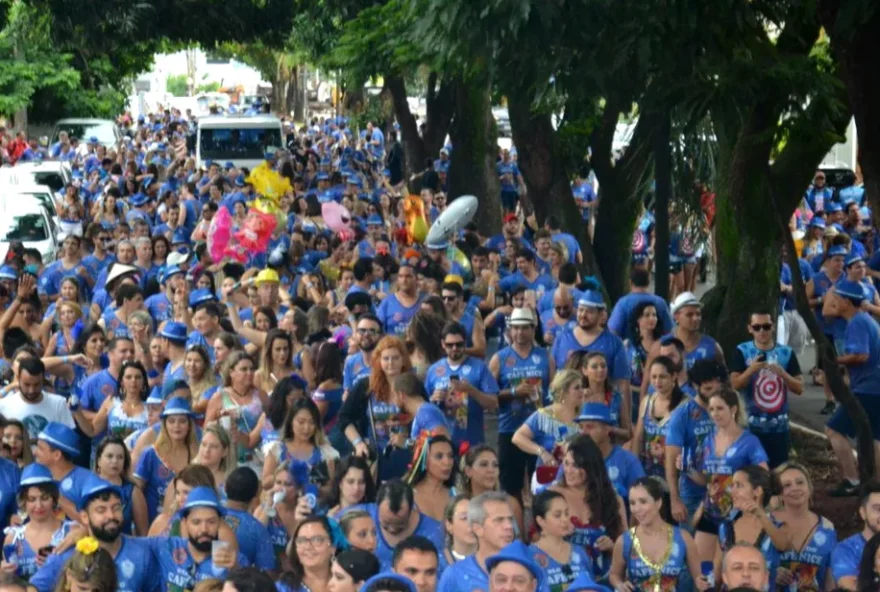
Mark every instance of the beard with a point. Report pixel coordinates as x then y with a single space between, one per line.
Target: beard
107 532
368 346
201 545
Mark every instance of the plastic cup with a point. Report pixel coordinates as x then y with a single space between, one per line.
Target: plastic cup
218 546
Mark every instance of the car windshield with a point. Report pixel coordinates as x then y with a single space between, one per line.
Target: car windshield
83 131
238 143
53 181
23 227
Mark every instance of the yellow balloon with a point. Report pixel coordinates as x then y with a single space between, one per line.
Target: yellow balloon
460 258
419 229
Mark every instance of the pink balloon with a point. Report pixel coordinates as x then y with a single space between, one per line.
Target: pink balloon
336 216
254 235
219 232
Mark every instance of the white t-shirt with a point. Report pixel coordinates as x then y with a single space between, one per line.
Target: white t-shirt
35 416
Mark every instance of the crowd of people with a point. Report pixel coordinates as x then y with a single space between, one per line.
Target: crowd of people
321 417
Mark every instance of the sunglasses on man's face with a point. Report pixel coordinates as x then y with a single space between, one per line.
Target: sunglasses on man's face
453 344
762 327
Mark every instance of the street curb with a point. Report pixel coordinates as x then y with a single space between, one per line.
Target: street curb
807 430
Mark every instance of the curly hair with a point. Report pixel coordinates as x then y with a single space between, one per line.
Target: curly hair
379 384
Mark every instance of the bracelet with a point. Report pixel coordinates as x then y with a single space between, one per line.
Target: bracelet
357 441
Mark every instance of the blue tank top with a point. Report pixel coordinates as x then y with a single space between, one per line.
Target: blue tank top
558 576
27 556
113 326
653 452
642 576
122 425
810 563
766 394
280 537
333 398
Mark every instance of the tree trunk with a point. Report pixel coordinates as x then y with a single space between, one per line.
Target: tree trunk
440 110
857 58
543 170
472 170
663 175
413 145
621 186
295 103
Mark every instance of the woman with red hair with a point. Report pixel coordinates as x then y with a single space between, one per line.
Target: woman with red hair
370 417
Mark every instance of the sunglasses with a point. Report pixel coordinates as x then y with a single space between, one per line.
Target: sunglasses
762 327
453 344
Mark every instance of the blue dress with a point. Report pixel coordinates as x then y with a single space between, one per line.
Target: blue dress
642 576
653 450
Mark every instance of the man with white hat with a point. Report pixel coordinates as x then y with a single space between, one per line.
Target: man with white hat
687 311
523 371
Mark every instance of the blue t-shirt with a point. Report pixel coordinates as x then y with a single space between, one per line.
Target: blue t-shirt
394 316
846 557
707 349
159 307
810 565
463 413
156 476
688 428
620 319
427 527
426 419
607 343
533 369
10 476
253 539
719 470
624 469
542 283
766 394
863 337
94 392
354 369
177 570
463 576
571 245
135 568
70 486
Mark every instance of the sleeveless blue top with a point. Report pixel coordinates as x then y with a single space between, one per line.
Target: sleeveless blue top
585 537
642 576
27 556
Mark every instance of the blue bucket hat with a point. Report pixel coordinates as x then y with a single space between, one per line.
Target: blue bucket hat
817 222
7 272
595 412
229 165
850 289
202 497
177 406
93 140
139 199
148 180
837 251
322 176
591 299
584 583
517 552
833 207
201 296
175 332
155 397
852 259
93 487
35 474
61 437
170 272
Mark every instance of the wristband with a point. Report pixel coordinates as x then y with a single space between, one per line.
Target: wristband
357 441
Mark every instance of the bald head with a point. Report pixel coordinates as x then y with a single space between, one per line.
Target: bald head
744 566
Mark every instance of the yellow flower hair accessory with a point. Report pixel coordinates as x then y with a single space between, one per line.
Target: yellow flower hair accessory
87 545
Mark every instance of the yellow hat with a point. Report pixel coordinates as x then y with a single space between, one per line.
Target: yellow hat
454 279
267 275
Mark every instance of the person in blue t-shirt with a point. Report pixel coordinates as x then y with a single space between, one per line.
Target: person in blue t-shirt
861 356
570 243
462 387
101 512
527 275
766 373
398 309
689 425
523 371
620 320
846 557
411 397
491 519
242 489
397 517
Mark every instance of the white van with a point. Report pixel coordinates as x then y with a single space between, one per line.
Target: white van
241 140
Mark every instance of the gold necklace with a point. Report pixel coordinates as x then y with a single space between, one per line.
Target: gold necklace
657 568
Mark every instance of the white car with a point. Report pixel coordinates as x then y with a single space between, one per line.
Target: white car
26 220
40 193
52 173
105 130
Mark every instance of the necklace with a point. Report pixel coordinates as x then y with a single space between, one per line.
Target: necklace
657 568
